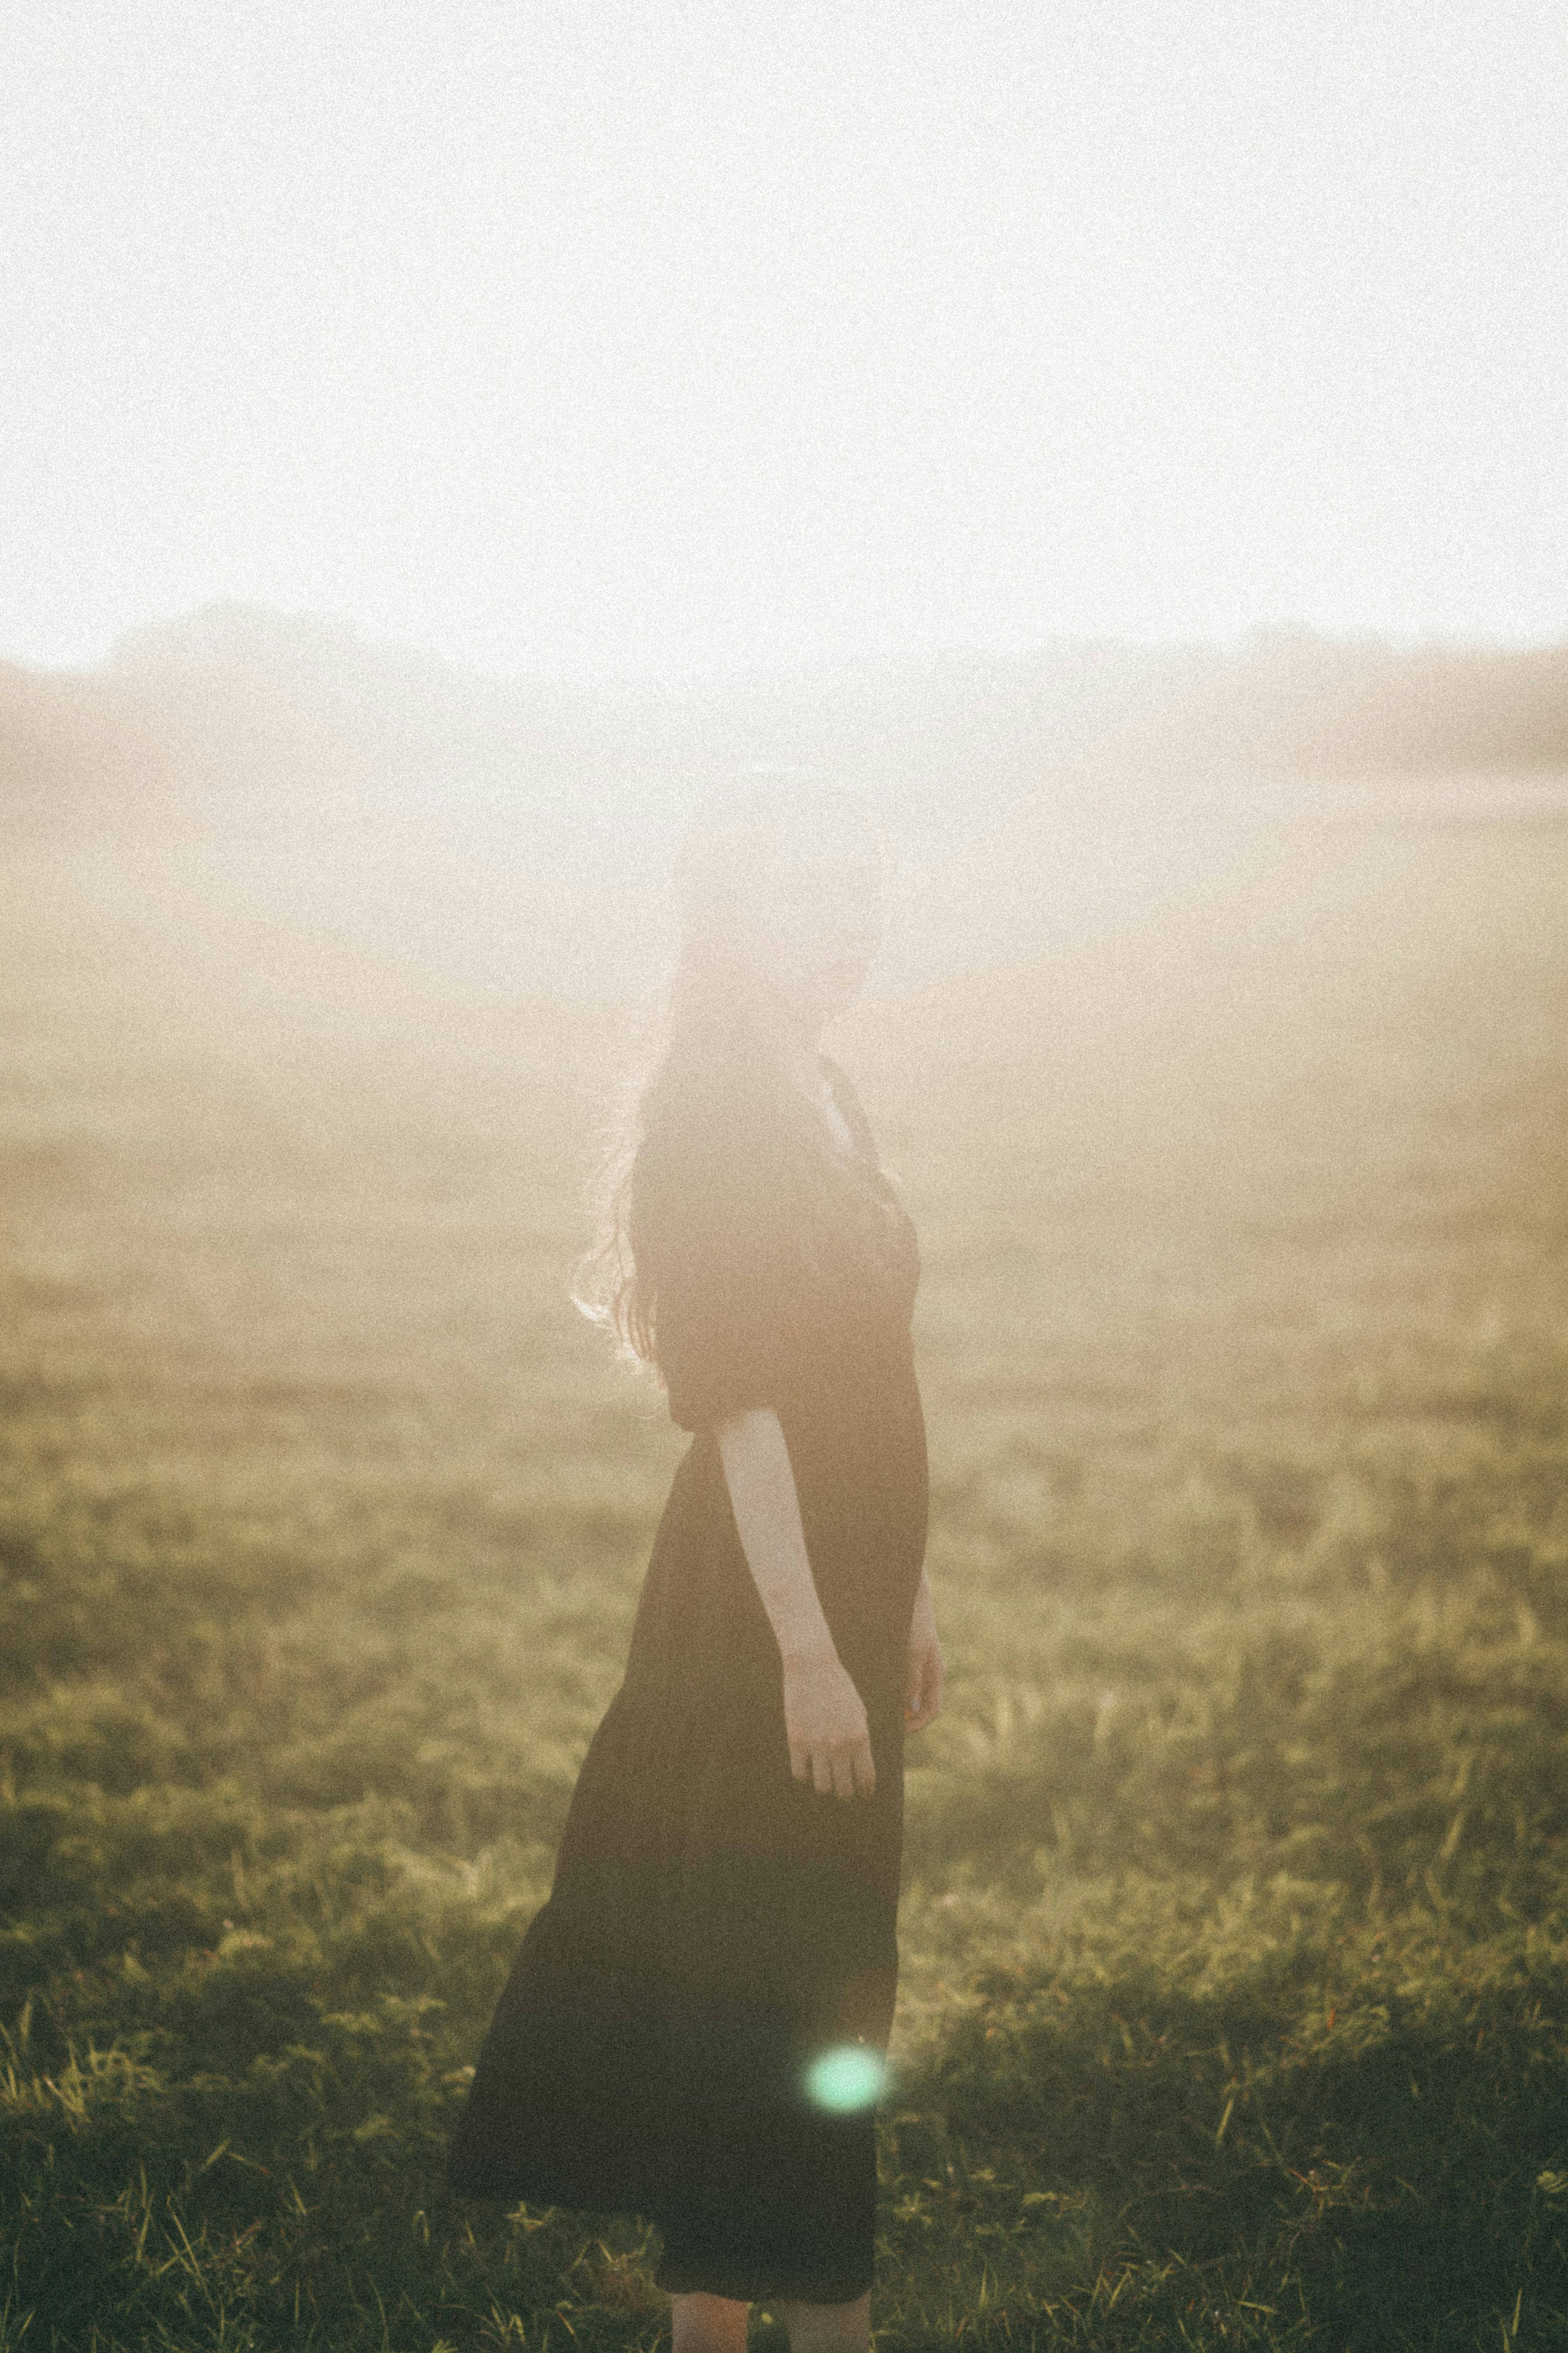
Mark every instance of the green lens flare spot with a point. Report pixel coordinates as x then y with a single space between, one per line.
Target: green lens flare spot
844 2078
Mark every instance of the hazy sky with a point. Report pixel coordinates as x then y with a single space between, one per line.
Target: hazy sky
633 335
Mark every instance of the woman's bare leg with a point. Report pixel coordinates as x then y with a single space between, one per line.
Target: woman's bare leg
708 2324
829 2328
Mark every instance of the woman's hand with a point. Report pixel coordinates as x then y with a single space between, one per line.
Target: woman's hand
925 1671
825 1719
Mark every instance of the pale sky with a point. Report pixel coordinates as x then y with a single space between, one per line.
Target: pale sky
634 336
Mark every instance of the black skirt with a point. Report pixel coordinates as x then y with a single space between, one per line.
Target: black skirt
693 2027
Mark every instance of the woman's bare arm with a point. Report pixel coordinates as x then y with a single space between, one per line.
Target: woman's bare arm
824 1716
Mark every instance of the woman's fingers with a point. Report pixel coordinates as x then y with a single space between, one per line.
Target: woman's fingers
824 1724
854 1774
922 1703
839 1771
827 1729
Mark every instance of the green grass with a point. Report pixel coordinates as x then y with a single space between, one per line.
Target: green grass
1235 1936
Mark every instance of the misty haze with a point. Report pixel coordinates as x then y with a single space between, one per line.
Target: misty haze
1124 458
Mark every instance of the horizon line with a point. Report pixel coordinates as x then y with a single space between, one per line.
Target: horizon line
354 633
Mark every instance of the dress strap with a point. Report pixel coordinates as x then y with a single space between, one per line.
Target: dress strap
848 1102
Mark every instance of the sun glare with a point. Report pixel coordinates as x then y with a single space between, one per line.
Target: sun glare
845 2077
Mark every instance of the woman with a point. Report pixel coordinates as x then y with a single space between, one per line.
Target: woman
694 2027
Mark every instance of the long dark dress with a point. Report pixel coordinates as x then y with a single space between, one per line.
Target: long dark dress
714 1924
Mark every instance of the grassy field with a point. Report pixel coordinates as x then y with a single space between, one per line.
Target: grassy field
1234 2005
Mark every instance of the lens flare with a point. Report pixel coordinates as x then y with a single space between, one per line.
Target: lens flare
845 2077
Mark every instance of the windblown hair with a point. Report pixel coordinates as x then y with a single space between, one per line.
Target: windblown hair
716 1070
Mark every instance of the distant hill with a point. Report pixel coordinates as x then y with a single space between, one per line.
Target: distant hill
1297 704
242 720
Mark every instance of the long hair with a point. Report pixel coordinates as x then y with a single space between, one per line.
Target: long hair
717 1059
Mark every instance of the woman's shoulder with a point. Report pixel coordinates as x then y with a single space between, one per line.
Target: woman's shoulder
704 1122
703 1148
